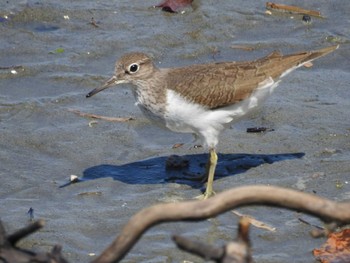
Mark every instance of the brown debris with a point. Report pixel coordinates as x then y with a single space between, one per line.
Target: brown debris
336 249
173 6
105 118
177 145
254 222
93 22
243 47
293 9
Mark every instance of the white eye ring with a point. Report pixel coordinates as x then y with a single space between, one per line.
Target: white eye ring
134 67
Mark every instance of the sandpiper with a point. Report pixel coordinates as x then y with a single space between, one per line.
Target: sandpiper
203 99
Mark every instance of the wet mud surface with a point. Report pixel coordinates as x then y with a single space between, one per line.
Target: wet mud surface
52 56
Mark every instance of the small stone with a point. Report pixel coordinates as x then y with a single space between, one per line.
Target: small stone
306 19
338 184
308 65
73 178
317 175
330 151
92 123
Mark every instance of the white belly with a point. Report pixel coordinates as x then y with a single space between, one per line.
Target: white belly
183 116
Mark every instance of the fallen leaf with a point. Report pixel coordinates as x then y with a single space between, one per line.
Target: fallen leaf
336 249
173 6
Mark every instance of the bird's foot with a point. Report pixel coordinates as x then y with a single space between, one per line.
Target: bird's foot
205 195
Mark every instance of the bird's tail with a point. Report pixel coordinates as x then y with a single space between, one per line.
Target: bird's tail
277 65
311 55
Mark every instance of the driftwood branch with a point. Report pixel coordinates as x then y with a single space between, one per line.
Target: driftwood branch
333 213
25 231
12 254
326 210
238 251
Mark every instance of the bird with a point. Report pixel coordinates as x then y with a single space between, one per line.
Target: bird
204 99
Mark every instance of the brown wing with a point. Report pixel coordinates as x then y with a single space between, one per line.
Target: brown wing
220 84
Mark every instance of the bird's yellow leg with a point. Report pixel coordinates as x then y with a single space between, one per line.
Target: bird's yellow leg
211 166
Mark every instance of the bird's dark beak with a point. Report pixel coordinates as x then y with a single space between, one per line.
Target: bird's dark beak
109 83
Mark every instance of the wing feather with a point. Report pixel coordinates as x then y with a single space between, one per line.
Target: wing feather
221 84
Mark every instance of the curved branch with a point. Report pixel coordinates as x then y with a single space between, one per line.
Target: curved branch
326 210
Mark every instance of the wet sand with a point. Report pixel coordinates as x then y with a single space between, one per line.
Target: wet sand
61 57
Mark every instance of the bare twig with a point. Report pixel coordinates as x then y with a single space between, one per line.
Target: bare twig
293 9
254 222
326 210
95 116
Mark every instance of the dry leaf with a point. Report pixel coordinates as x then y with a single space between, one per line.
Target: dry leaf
173 6
336 249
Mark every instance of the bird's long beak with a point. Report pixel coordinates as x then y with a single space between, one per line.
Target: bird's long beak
109 83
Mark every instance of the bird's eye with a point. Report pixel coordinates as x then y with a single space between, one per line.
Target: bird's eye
133 68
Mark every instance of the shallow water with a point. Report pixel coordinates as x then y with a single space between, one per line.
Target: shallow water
59 60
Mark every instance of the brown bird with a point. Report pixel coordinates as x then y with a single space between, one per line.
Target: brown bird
204 99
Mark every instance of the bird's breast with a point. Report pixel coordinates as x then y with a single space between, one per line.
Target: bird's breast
151 104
